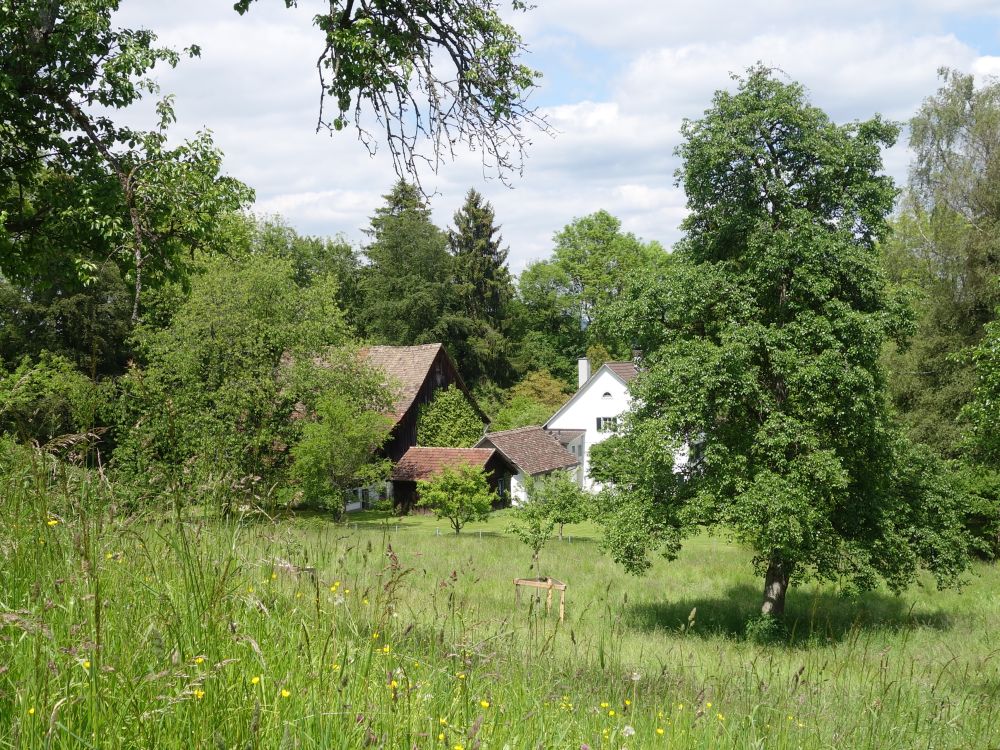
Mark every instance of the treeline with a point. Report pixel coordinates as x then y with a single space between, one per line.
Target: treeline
150 326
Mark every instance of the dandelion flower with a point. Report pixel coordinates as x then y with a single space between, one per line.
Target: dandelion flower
86 664
461 675
375 636
708 705
365 601
335 667
441 736
443 721
255 680
628 702
386 649
199 693
611 712
108 556
458 747
605 704
659 731
285 693
31 711
199 660
52 521
394 684
484 704
720 717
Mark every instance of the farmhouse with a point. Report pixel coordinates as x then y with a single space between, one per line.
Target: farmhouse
426 463
591 415
532 451
415 374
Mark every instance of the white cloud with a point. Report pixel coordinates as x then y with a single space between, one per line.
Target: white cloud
622 78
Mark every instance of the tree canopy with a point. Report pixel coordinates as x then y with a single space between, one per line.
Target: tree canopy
763 348
438 71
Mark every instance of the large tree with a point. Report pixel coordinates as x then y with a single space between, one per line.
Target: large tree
481 293
440 71
77 190
946 251
763 353
404 287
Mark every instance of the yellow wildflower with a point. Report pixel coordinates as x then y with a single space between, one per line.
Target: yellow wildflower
365 602
335 667
628 702
708 705
443 721
285 693
458 747
611 712
461 675
720 717
605 704
31 711
386 649
273 575
255 680
441 736
86 664
199 660
659 730
199 694
394 684
52 521
484 704
108 556
375 636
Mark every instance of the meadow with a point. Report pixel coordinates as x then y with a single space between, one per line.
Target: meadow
185 630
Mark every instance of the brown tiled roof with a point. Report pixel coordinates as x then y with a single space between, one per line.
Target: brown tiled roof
625 370
423 463
406 368
531 449
566 437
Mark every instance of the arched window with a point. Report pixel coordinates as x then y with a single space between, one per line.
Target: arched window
607 395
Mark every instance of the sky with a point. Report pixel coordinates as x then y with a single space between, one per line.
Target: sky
618 80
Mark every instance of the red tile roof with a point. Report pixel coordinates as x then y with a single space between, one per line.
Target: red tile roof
625 370
424 463
533 450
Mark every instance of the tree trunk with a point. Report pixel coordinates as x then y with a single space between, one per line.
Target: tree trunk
776 586
560 532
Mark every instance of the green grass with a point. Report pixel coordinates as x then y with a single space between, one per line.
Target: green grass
141 632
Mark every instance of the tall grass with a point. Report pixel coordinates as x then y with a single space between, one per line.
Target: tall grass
124 631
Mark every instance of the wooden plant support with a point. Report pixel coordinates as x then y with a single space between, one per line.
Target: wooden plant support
543 583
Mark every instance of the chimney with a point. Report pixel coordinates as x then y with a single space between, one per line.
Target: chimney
582 371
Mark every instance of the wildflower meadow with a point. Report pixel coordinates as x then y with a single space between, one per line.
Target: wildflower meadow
179 630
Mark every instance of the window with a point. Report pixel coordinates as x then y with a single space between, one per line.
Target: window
607 424
607 395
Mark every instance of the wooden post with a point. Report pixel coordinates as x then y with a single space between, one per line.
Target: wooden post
543 583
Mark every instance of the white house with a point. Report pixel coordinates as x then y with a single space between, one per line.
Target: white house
592 413
532 451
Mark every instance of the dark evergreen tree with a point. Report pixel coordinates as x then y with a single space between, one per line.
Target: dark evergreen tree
404 287
482 293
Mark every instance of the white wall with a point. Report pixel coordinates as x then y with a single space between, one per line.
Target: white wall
518 494
583 410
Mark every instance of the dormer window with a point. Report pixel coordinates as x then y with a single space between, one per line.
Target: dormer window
607 395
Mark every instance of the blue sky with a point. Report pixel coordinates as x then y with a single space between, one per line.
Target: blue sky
618 80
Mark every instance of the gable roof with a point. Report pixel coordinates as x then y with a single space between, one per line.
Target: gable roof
532 450
623 371
424 463
409 367
565 437
626 371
